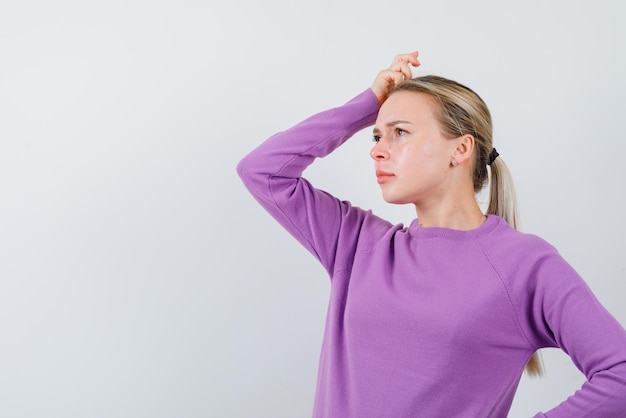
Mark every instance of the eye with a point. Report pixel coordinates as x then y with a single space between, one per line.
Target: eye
400 132
375 138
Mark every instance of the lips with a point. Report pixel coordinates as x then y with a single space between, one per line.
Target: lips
383 176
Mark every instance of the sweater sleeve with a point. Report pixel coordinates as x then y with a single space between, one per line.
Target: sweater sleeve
272 173
567 315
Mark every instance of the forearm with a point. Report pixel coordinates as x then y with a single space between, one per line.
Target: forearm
288 153
604 395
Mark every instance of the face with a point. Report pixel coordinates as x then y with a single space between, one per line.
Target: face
412 157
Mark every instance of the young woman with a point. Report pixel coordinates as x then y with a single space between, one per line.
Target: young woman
437 319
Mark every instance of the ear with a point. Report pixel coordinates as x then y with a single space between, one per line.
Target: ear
464 148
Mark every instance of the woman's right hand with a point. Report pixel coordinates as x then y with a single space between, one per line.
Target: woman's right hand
398 70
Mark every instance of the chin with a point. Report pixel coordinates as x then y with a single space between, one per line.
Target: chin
394 200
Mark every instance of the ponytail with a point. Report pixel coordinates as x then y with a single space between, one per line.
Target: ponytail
502 196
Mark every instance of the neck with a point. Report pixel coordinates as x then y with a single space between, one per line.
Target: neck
458 215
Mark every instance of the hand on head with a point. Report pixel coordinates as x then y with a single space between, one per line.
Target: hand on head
400 69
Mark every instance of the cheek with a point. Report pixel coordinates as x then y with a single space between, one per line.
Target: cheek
424 160
438 152
417 155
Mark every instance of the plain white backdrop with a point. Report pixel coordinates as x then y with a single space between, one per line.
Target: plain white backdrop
139 279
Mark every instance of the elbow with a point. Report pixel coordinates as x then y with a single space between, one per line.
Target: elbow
615 383
245 169
252 174
619 373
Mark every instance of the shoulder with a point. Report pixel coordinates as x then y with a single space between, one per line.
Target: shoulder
503 237
360 231
373 230
367 231
510 250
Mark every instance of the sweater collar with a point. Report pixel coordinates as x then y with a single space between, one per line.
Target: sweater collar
489 225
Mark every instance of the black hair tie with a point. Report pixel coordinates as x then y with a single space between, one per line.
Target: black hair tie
492 156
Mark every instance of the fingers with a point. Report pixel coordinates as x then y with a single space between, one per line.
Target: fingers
393 76
402 63
399 70
402 69
410 58
385 81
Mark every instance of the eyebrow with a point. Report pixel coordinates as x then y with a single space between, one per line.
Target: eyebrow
392 124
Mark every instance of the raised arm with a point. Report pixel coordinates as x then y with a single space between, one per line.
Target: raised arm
273 172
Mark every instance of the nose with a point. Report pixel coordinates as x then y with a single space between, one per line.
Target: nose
379 151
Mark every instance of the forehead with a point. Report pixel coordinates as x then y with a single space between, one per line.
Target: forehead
407 105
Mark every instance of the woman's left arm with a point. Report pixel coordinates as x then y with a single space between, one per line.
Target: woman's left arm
566 314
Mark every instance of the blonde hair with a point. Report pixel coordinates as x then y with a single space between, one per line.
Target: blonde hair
461 111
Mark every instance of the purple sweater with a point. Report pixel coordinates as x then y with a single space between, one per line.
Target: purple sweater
431 322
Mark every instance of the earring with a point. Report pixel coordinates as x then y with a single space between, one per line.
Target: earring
454 163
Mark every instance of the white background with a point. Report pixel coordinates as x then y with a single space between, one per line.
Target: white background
139 279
